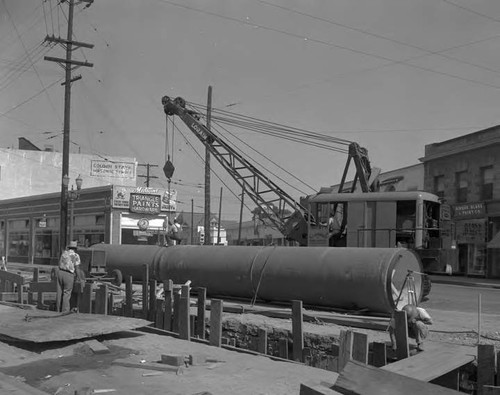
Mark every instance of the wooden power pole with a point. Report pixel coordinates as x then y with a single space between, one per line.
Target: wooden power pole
68 64
147 176
208 239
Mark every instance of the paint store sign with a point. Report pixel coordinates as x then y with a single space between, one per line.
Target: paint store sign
145 203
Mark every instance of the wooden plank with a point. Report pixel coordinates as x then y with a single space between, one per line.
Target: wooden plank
297 331
216 308
485 365
145 293
96 347
184 323
41 326
152 300
345 348
437 360
201 312
360 347
358 378
318 389
262 341
168 287
379 354
160 312
401 334
130 363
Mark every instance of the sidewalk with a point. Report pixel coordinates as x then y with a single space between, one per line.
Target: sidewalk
465 281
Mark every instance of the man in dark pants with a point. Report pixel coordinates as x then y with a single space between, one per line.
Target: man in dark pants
417 319
68 265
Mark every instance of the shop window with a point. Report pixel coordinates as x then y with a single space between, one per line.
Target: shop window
487 183
439 186
462 186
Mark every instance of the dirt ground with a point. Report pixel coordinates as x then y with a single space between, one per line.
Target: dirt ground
62 367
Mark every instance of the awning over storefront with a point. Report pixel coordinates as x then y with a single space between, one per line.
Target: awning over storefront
495 241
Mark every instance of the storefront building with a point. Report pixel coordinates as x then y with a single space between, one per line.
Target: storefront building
465 173
29 226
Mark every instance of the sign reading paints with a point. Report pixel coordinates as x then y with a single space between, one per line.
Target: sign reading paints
145 198
104 168
145 203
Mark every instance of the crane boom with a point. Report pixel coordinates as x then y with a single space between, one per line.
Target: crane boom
287 215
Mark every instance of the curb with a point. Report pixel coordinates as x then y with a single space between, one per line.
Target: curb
465 283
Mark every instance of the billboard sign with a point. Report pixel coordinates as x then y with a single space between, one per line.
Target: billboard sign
122 198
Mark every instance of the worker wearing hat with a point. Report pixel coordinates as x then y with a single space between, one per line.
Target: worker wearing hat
68 269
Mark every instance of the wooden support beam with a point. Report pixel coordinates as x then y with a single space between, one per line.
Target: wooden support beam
86 300
184 330
283 348
101 299
360 347
201 312
401 334
297 331
152 300
36 274
216 309
345 348
175 318
159 313
262 341
168 287
379 354
192 325
129 304
485 366
145 293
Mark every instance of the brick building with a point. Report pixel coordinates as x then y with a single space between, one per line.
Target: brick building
465 172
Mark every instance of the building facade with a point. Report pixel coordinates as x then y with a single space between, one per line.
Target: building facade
465 173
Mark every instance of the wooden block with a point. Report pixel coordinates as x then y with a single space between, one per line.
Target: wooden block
485 365
401 334
379 354
360 347
145 293
173 359
197 359
283 348
201 313
345 348
316 390
297 331
128 297
262 341
184 322
97 347
358 378
101 300
216 309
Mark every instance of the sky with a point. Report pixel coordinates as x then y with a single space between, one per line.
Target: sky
391 75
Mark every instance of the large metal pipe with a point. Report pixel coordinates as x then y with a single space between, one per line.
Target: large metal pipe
349 278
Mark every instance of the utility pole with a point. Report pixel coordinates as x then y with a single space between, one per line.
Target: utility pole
68 65
207 172
147 176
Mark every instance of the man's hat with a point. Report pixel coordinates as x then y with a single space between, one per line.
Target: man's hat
73 244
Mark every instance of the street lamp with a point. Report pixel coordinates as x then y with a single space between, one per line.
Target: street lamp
71 197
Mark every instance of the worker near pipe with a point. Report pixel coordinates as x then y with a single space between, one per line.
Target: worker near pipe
417 319
68 271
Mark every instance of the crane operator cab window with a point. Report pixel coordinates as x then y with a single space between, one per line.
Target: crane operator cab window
333 216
